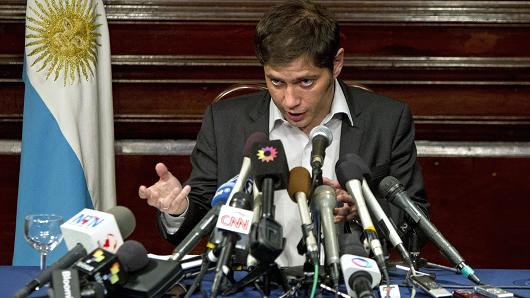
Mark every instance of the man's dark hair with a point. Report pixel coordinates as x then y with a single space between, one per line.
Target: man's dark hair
294 29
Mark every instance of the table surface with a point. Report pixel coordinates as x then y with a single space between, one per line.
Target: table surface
515 281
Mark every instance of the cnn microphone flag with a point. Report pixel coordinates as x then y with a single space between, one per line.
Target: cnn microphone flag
67 156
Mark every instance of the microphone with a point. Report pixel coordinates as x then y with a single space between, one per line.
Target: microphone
324 200
298 189
66 284
321 137
112 270
386 225
100 272
350 170
270 171
201 229
95 229
256 137
361 275
234 219
223 193
394 192
207 223
72 256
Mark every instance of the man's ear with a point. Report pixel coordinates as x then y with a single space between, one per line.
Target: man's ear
338 62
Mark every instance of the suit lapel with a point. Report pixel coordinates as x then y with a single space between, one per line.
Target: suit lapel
259 116
351 134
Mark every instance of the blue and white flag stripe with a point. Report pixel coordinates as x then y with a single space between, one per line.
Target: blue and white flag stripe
67 159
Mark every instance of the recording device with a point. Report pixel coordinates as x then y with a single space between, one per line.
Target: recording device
324 201
350 172
270 170
111 269
491 291
95 229
72 256
256 137
321 137
65 284
298 189
429 286
234 219
361 275
100 272
146 277
466 294
394 192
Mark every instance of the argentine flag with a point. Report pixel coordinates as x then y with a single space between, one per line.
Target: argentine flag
67 159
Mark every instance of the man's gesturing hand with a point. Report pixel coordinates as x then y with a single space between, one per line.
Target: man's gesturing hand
167 194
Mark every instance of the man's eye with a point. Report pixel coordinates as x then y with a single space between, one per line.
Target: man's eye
276 82
306 83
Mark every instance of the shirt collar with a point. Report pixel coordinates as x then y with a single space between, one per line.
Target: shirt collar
338 106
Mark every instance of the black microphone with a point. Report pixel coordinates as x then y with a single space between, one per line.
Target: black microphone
201 229
66 284
350 170
99 273
394 192
325 200
232 218
72 256
321 137
270 171
112 270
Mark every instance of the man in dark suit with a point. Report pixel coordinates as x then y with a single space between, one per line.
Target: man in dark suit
297 43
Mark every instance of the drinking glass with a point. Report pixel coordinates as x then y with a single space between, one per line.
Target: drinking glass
43 233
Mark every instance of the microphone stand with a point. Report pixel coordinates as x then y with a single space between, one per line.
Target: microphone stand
266 248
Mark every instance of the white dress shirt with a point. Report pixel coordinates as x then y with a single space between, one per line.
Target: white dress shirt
297 146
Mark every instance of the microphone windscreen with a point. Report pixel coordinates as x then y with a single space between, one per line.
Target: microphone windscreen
349 167
132 255
125 220
321 130
223 192
388 185
255 137
299 181
269 161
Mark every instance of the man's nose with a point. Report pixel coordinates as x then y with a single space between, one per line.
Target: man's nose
291 100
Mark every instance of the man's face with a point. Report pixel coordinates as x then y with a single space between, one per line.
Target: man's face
302 91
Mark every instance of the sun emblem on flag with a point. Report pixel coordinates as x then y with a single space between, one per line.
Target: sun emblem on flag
62 37
267 154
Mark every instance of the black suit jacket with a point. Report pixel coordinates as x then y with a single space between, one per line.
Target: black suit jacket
382 134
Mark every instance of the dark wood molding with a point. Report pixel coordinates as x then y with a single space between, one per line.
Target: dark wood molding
403 12
10 67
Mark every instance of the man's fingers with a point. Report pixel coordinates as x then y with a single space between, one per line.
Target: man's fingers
143 192
333 183
338 218
162 171
176 202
